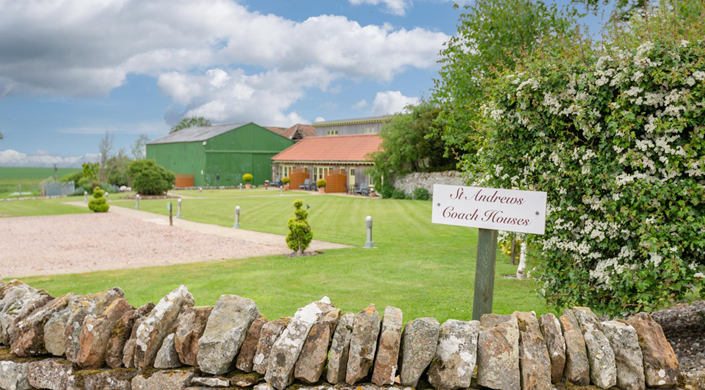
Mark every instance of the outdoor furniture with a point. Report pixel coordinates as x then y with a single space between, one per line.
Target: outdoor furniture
365 191
277 183
311 186
306 185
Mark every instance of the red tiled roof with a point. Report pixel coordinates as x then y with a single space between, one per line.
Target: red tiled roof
306 130
332 148
277 130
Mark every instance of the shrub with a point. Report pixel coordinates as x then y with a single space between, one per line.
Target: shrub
148 178
247 178
300 234
421 194
398 194
98 204
386 191
286 180
617 141
321 183
74 177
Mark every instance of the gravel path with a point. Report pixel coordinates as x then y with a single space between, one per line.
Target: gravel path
684 326
61 244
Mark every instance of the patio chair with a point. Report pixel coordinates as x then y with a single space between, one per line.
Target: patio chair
365 191
311 186
277 183
306 184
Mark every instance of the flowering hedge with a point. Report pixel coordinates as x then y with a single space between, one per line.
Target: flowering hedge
618 142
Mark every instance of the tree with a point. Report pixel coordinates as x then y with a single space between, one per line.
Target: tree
410 144
492 36
300 233
1 137
194 121
105 148
148 178
118 168
623 9
139 148
90 170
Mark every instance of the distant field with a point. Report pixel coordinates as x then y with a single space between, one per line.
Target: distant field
12 177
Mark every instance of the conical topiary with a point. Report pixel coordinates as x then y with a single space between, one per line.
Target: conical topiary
300 233
98 203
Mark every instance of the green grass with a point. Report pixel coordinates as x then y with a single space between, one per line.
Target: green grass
34 207
422 268
29 178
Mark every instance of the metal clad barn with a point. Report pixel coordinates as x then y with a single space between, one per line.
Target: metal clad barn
219 155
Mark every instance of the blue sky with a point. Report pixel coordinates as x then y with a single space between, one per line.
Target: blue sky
70 71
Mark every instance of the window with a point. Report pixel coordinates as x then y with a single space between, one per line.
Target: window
331 132
285 170
369 130
320 173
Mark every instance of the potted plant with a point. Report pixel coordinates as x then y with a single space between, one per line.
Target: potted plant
247 178
286 180
321 184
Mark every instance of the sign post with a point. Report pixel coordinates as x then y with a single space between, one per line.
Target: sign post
490 210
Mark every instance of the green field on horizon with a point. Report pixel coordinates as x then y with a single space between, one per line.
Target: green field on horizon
29 178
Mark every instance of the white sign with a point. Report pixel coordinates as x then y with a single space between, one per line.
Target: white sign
490 208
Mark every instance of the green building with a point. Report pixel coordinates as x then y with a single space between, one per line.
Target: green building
218 155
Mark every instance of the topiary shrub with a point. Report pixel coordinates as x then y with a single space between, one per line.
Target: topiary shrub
98 204
398 194
148 178
386 191
300 233
321 183
421 194
247 178
286 180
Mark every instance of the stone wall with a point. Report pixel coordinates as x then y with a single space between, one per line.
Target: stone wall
408 183
99 341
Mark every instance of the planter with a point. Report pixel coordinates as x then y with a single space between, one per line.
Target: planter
248 186
321 190
286 187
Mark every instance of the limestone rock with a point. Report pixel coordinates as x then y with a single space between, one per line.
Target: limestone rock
456 354
192 323
534 360
268 336
95 333
18 300
555 342
128 353
163 380
113 380
54 330
498 356
245 359
85 306
363 345
339 349
312 358
29 338
14 375
627 353
285 351
387 360
489 321
418 346
225 332
243 379
577 369
210 382
661 367
167 356
694 380
603 368
53 374
121 333
155 326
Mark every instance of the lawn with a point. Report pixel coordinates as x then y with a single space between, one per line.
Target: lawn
424 269
34 207
29 178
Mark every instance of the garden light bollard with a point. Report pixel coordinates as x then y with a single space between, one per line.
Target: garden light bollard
240 187
85 196
237 218
200 192
368 223
137 202
107 197
178 210
281 190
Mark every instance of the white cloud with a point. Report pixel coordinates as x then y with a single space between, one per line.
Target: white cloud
42 158
137 128
359 105
396 7
390 102
320 119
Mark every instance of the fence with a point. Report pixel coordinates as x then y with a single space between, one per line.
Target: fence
57 188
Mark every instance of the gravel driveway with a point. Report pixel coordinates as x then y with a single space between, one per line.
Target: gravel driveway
61 244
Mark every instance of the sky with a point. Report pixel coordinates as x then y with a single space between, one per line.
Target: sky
72 70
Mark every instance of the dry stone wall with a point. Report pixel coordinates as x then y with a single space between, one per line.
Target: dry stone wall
408 183
108 344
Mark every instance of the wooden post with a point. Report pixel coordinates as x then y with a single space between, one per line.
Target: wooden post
171 220
484 273
514 243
